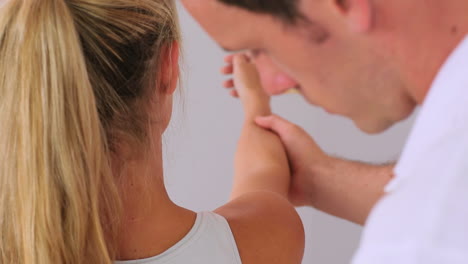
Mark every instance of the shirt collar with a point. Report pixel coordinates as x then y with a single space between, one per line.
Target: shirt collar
443 115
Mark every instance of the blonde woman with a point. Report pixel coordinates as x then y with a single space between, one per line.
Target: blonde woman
85 94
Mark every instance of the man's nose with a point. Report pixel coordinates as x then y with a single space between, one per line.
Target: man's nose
274 80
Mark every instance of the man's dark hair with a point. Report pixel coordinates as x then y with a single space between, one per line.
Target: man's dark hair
286 10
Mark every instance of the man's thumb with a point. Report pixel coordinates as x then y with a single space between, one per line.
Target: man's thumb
276 124
297 142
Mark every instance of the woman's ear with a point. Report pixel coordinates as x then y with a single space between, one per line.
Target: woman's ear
358 14
170 68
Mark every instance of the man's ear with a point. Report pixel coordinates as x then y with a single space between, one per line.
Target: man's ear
358 13
170 68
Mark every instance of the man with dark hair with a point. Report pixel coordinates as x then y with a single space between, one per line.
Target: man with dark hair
284 9
373 62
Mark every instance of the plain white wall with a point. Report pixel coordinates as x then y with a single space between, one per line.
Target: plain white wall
201 140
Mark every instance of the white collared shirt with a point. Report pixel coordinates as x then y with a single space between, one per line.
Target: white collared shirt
423 218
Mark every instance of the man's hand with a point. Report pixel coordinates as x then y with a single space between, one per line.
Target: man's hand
302 152
339 187
342 188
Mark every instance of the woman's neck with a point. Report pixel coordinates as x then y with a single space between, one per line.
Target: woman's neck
148 212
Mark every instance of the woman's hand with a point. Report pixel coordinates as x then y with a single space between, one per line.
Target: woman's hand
246 85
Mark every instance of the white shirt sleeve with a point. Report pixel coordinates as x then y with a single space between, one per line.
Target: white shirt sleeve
423 221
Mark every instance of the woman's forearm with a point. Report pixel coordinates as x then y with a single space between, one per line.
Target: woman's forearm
261 163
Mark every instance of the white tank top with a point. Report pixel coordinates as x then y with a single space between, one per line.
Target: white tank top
210 241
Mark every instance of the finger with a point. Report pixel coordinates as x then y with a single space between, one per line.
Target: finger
228 69
239 59
229 58
299 146
285 129
234 93
229 83
250 55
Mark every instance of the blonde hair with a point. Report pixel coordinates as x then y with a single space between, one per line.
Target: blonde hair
72 76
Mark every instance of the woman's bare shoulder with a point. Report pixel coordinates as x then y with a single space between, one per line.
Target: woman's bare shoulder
266 227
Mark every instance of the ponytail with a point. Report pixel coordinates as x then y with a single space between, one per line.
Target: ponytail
56 185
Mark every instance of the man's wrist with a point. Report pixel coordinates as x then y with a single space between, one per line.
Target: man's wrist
316 171
346 189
